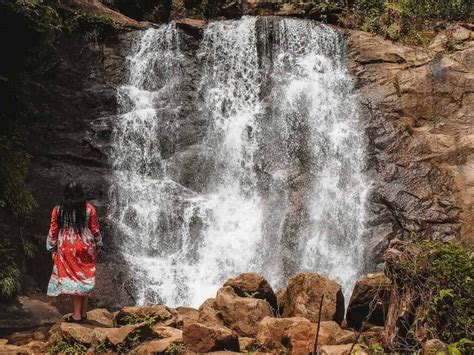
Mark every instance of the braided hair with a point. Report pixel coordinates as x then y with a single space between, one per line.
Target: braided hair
72 209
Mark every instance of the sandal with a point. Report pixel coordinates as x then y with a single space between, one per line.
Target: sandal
71 319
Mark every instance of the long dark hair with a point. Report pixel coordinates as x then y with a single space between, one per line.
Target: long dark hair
72 209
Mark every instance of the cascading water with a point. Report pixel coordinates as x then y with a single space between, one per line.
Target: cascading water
276 105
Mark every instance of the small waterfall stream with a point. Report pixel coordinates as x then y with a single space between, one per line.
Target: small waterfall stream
275 167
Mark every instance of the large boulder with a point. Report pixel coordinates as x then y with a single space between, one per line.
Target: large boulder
371 294
253 285
202 338
101 317
303 296
294 334
186 316
209 314
242 314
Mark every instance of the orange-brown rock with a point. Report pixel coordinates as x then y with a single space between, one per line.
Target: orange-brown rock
118 335
156 346
286 334
343 350
247 344
202 338
241 314
280 295
209 314
303 295
100 317
253 285
186 316
167 332
347 337
371 295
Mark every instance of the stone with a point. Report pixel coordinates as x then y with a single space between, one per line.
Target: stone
119 335
202 338
434 346
347 337
37 346
247 344
186 316
81 333
100 317
241 314
370 294
303 296
209 314
167 332
158 313
295 334
253 285
280 295
157 346
342 350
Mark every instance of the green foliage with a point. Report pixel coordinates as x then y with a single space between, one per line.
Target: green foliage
463 346
132 341
175 349
67 346
9 272
150 319
80 23
38 16
441 277
376 348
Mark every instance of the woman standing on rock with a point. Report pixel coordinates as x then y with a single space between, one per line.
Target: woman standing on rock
74 239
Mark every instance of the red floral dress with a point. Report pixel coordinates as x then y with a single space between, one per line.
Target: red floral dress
75 255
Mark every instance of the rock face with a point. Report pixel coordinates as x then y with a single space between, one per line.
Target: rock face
416 106
303 295
201 338
242 314
371 294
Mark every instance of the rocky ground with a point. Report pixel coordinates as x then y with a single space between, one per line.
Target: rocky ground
245 316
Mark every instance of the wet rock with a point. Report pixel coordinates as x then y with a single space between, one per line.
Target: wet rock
27 313
434 346
303 296
100 317
209 313
205 338
253 285
370 294
241 314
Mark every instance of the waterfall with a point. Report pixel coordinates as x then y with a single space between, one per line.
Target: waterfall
274 180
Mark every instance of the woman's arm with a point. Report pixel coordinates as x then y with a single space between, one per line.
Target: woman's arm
52 240
94 226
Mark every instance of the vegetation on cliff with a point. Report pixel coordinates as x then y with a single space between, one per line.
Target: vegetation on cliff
30 30
432 295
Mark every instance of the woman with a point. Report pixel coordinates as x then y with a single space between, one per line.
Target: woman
74 239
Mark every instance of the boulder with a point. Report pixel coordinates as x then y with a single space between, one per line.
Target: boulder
296 334
118 335
253 285
370 293
247 344
186 316
156 313
280 334
241 314
158 346
434 346
303 296
342 350
100 317
347 337
81 333
209 314
37 347
22 338
203 338
167 332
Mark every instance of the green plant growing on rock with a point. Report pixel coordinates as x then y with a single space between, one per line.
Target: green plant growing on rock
149 319
67 347
175 349
434 293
